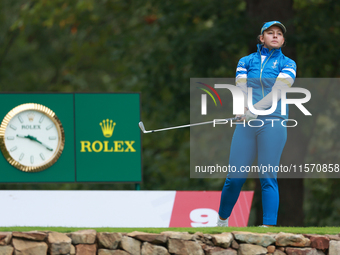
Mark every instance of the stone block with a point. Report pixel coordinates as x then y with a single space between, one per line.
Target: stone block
334 248
271 248
131 245
151 249
254 238
26 247
5 238
184 247
83 236
223 240
148 237
319 242
296 240
86 249
109 240
6 250
178 235
301 251
213 250
251 249
59 243
112 252
31 235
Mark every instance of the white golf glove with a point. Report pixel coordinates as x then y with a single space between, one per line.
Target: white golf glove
250 116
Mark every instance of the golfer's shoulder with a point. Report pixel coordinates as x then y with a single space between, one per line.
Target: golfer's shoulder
288 63
244 61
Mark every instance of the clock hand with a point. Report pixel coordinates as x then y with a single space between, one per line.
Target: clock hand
32 138
36 140
22 136
47 147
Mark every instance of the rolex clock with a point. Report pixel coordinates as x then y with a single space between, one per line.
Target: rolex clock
31 137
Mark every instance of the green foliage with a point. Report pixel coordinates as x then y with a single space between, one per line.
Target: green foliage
151 47
317 31
325 208
155 47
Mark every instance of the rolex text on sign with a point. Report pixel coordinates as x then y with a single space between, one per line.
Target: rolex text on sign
107 127
107 138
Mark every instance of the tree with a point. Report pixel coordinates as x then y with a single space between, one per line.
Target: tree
155 47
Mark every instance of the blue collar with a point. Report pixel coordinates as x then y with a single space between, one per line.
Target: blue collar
265 52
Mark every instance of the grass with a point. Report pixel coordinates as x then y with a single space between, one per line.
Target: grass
207 230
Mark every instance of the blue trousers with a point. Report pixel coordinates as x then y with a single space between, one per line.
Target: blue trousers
267 143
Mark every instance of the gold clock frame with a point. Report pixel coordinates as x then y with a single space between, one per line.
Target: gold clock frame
52 116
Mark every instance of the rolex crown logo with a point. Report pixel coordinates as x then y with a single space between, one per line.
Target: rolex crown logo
107 127
30 116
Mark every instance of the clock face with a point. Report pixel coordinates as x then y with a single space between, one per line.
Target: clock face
31 137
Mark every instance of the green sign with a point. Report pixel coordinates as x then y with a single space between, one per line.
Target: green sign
102 140
107 137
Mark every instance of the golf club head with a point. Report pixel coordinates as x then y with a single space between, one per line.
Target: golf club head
141 125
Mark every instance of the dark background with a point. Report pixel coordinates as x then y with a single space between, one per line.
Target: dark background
155 47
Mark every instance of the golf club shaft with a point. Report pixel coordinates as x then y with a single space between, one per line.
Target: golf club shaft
191 125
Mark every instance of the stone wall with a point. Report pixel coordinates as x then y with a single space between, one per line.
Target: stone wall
89 242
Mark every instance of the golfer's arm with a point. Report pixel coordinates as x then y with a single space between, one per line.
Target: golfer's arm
241 82
283 81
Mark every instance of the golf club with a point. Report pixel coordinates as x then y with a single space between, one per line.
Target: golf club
141 125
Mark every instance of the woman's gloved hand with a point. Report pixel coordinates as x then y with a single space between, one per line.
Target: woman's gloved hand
247 116
250 116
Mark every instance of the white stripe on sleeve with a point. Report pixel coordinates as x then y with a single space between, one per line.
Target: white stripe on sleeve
240 69
290 70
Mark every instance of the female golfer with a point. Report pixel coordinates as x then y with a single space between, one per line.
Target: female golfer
266 71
